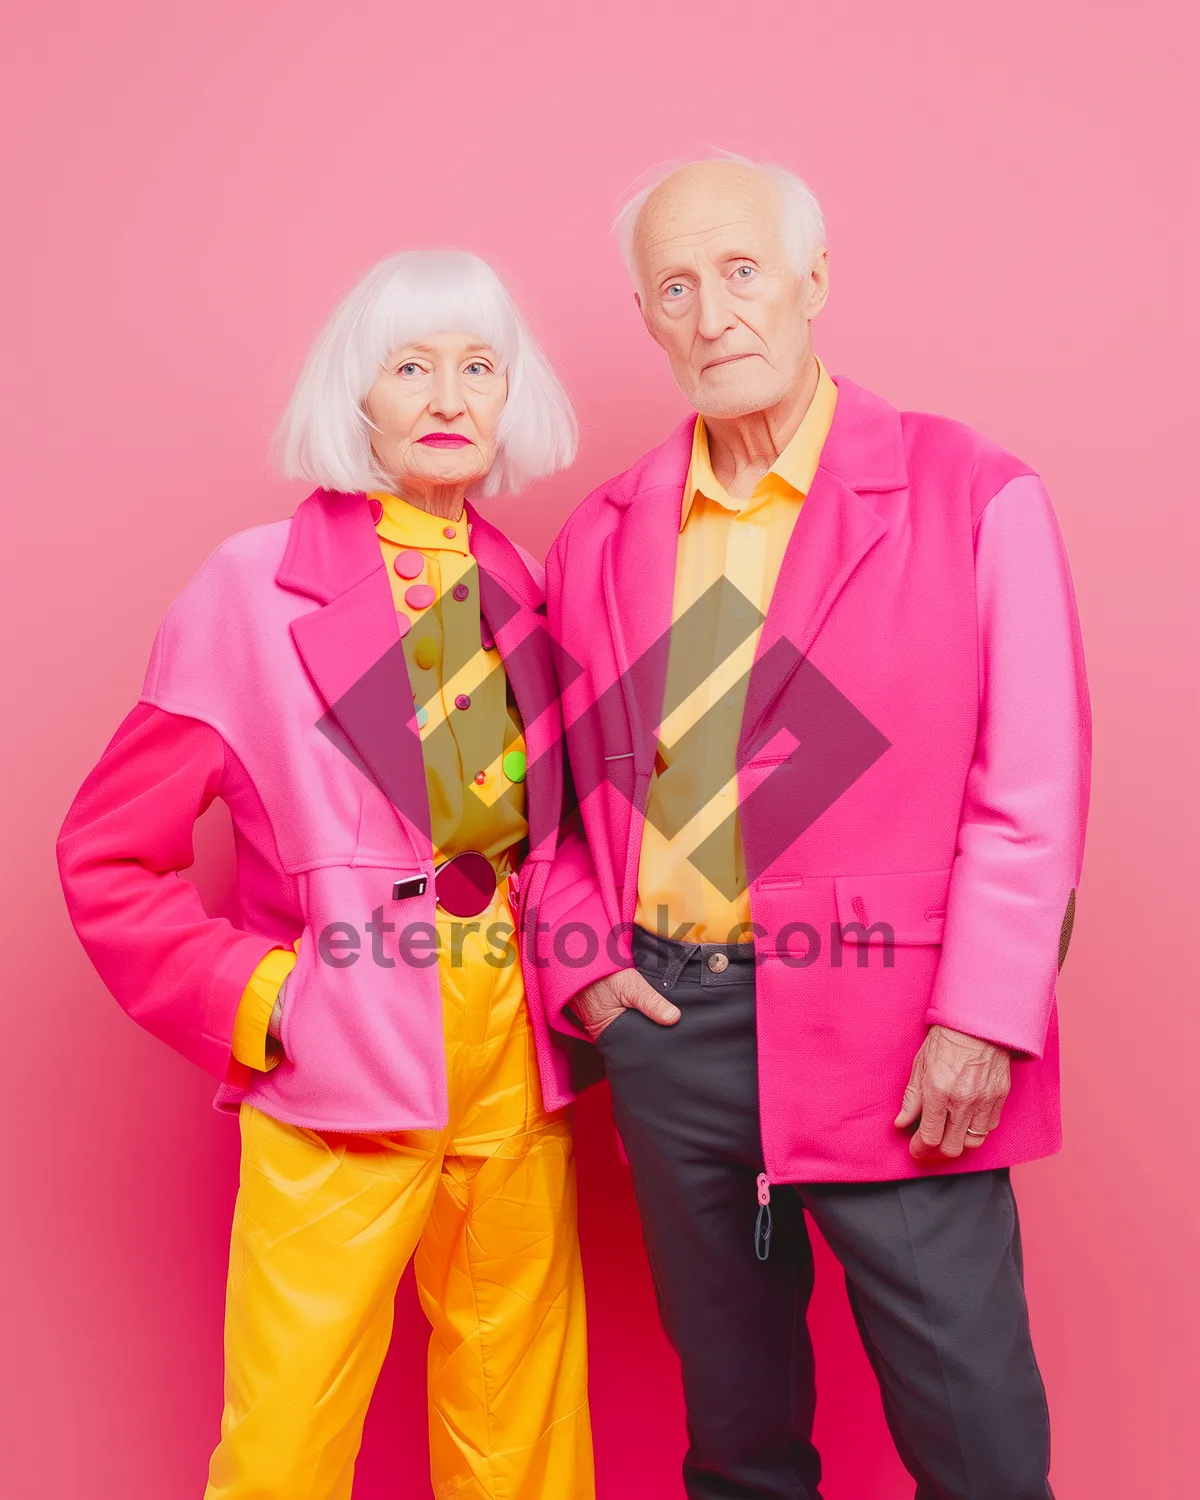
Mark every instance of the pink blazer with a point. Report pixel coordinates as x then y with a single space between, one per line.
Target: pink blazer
278 682
915 754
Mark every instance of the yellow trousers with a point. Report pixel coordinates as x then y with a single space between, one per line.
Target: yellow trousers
324 1227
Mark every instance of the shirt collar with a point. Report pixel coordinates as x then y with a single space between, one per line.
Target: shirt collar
409 526
795 466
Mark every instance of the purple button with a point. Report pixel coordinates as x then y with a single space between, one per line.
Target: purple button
409 564
487 640
449 531
461 592
403 623
419 595
462 701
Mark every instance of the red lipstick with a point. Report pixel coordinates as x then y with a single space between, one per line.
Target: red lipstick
445 440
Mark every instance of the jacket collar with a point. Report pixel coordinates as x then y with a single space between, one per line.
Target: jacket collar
839 523
331 546
499 559
865 446
511 603
352 651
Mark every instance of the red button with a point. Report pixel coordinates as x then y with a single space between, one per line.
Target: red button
376 511
449 531
480 777
461 592
462 701
419 595
409 564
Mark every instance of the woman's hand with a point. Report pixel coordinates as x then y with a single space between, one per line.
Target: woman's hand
276 1022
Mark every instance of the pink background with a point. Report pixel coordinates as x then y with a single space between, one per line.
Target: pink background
192 190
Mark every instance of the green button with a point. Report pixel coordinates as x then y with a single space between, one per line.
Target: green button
426 654
513 765
422 717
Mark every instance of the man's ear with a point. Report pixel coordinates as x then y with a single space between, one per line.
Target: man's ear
637 297
818 284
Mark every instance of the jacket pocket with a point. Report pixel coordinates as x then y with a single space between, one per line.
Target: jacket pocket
911 903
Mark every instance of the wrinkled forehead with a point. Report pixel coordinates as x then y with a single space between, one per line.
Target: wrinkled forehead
717 207
454 343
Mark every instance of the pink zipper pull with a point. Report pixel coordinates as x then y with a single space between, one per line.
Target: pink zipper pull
762 1225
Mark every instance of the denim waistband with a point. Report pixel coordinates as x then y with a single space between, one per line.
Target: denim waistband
708 963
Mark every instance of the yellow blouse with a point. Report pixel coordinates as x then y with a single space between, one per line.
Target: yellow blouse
470 730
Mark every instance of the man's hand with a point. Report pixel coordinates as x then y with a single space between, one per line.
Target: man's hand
957 1090
601 1003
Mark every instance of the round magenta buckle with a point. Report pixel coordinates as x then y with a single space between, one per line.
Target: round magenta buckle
465 884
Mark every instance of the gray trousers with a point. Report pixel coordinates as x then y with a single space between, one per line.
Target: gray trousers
933 1269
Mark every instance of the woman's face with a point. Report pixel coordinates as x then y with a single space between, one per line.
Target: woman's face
436 405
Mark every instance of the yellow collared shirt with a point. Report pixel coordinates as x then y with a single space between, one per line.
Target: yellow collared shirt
692 823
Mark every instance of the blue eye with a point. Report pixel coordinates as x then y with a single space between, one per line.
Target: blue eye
676 289
476 367
408 368
744 272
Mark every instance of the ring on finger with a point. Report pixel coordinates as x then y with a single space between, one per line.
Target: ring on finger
976 1132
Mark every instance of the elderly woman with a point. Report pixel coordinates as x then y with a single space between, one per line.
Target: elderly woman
369 688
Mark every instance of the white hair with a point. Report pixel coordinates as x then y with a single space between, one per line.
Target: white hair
801 220
325 434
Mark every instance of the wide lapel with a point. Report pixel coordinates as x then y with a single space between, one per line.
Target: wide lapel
638 569
836 528
352 650
510 605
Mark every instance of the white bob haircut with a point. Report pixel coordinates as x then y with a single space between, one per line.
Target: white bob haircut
801 219
325 435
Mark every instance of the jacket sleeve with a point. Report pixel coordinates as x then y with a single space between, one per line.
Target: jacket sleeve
589 949
171 967
572 893
252 1024
1011 898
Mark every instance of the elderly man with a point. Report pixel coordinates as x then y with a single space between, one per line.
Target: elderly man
829 732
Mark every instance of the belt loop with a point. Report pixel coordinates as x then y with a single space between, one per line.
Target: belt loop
675 968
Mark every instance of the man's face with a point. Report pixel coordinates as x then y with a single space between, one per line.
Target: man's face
718 293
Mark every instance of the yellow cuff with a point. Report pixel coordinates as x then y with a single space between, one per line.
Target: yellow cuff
255 1007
